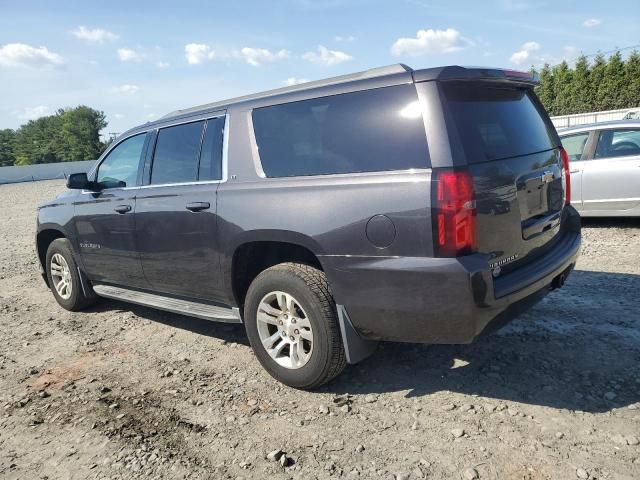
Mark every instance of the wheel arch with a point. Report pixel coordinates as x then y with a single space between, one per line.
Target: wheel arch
44 237
256 251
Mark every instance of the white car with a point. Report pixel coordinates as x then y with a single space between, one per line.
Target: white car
604 163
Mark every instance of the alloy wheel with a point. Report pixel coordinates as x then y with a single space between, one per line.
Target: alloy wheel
61 276
284 330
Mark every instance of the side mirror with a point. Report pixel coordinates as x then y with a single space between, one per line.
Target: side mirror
79 181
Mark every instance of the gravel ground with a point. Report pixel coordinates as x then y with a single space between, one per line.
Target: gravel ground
124 392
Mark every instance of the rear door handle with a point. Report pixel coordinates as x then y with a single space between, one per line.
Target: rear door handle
577 170
198 206
123 208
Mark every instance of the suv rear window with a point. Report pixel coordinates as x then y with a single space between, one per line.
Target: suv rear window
368 131
498 122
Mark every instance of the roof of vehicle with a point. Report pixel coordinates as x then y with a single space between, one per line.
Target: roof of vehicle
367 74
598 126
451 72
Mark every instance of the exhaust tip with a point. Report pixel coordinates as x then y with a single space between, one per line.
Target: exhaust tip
558 282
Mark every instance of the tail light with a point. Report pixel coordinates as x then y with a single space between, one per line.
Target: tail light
567 175
454 214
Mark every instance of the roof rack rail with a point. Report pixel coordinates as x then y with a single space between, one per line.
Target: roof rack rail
371 73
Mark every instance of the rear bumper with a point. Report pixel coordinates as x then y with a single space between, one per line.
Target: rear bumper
443 300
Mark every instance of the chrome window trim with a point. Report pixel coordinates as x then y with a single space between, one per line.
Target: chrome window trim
225 148
225 157
257 161
255 151
379 173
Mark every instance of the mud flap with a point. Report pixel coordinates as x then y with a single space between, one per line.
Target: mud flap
356 348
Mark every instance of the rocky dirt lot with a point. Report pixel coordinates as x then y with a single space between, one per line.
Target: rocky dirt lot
127 392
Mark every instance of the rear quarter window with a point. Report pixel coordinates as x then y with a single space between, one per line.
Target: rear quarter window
175 159
496 122
368 131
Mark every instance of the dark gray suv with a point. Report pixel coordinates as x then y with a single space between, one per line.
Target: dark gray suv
394 204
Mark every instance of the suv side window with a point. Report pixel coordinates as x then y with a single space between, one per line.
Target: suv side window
369 131
177 152
574 145
211 154
618 143
120 168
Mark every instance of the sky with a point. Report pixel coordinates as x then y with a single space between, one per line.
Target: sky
139 60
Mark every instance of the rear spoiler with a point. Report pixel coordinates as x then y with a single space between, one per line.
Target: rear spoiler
476 73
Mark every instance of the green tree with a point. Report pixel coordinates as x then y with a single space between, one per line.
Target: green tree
632 84
545 89
606 84
611 91
580 86
7 157
37 141
562 87
80 128
70 134
596 78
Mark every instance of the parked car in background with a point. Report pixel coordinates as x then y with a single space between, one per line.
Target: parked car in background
605 168
633 115
394 204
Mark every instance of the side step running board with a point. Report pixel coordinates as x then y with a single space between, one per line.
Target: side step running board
184 307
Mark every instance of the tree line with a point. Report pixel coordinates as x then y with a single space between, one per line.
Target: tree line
70 134
604 84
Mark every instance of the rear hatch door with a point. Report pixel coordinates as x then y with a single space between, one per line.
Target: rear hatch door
512 152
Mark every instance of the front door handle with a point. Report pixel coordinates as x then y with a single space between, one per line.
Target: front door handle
123 208
577 170
198 206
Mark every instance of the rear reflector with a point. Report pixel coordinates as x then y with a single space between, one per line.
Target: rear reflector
454 213
567 176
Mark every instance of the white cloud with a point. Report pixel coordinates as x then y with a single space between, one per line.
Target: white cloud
197 53
327 57
163 65
126 89
31 113
592 22
260 56
348 38
129 55
94 35
431 41
22 55
294 81
118 116
524 53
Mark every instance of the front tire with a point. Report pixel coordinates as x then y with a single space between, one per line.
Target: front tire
64 277
292 325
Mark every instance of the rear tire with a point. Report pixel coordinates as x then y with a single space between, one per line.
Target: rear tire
292 325
64 277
